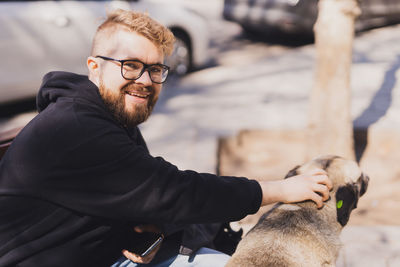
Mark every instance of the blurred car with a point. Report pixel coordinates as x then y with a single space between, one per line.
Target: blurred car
41 36
299 16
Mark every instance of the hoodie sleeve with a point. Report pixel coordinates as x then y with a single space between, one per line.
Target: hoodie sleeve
87 163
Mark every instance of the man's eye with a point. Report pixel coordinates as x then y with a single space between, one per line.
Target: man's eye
133 65
156 70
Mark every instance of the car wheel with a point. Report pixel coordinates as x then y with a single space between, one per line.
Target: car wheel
180 60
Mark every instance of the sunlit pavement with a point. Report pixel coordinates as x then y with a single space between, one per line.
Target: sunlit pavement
254 88
370 246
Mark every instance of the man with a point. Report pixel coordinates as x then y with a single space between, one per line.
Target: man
78 182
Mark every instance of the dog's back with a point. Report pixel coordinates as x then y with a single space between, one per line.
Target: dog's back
288 235
300 235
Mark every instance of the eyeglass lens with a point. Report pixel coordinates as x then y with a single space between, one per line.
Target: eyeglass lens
134 69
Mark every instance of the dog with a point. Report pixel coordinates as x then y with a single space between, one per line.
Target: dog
300 234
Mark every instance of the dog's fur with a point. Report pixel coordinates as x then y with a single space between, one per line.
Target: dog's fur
300 234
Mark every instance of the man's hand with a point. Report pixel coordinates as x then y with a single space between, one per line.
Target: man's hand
314 185
148 258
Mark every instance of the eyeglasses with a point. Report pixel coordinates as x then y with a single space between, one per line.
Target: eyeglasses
133 69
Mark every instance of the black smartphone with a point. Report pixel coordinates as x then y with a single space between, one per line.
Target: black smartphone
145 242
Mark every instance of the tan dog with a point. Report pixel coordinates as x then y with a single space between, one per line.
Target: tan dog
300 234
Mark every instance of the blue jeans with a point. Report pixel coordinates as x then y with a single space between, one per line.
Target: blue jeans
204 257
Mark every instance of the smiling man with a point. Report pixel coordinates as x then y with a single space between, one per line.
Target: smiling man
131 93
78 185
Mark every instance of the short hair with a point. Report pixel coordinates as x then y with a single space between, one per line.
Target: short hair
138 22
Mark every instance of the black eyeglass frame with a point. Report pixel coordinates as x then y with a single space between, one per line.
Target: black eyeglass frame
145 68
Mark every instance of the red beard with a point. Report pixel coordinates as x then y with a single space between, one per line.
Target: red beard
115 102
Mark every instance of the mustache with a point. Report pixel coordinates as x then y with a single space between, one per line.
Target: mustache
137 88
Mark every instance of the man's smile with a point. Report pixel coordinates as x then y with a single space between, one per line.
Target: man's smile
137 96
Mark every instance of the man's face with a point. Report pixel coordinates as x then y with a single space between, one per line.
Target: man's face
130 101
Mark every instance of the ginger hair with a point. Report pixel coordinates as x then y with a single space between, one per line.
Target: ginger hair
138 22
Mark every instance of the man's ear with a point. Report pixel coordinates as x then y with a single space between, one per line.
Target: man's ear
93 67
346 201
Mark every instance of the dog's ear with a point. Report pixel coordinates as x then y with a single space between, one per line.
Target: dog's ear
292 172
363 182
326 162
346 201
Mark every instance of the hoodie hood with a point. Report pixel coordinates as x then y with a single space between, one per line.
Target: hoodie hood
59 84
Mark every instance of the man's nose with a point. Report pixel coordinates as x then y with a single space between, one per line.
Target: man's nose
144 79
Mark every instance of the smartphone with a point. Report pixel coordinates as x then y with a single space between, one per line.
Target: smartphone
145 242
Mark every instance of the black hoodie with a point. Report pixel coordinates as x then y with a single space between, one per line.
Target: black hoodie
74 183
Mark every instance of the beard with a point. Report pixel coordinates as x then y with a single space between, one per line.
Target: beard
115 103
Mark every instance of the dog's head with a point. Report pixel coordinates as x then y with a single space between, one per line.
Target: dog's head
349 183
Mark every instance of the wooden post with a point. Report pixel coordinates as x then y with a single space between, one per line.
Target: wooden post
330 124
